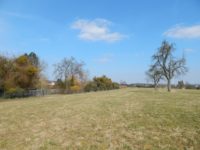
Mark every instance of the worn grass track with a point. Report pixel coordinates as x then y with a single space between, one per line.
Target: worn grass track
119 119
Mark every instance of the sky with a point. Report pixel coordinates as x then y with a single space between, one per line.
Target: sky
115 38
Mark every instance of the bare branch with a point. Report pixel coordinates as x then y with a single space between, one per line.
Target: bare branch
165 61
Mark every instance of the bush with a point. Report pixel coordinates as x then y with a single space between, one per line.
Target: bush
75 89
180 85
14 92
101 84
22 60
1 92
190 86
91 86
115 85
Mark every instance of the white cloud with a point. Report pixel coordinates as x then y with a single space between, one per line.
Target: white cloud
96 30
184 32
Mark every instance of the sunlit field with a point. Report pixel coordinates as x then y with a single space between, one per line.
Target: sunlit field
120 119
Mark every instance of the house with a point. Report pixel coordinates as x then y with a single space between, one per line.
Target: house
51 84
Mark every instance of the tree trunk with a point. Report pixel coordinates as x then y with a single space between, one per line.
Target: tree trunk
155 86
169 85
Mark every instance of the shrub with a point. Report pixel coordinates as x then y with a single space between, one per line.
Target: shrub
1 92
115 85
189 86
75 89
31 70
91 86
101 84
180 84
22 60
14 92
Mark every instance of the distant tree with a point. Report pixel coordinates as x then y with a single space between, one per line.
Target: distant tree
26 74
180 84
72 81
6 67
43 82
123 83
19 74
60 84
33 58
69 69
74 85
115 85
155 74
103 83
168 64
90 86
189 86
35 61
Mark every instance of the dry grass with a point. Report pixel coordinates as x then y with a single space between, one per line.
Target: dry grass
119 119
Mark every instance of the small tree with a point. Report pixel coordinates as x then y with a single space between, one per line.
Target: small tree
155 74
168 64
180 84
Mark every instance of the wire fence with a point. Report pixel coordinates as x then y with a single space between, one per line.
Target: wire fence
28 93
42 92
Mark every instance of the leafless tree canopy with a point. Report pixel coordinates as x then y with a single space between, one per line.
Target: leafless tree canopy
68 68
167 64
155 74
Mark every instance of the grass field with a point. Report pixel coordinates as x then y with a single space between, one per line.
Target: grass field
119 119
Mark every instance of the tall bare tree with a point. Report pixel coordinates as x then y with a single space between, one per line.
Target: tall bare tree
168 64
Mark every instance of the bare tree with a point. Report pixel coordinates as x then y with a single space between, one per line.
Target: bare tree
155 74
168 64
68 68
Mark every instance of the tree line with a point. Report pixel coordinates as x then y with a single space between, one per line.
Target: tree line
24 73
18 75
72 78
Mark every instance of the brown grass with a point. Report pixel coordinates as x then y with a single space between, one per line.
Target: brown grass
118 119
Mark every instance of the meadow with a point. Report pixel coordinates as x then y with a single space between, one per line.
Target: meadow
129 118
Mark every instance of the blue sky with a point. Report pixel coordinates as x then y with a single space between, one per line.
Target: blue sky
115 38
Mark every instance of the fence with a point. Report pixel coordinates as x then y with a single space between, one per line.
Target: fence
42 92
36 92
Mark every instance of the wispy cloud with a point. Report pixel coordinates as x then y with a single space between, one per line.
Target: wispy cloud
184 32
96 30
17 15
105 59
189 50
44 39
